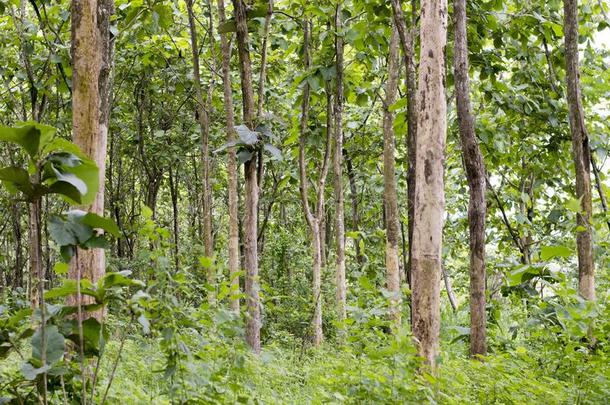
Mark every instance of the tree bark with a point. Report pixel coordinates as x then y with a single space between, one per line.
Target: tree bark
580 154
204 128
475 174
91 47
341 287
389 174
429 203
253 325
231 161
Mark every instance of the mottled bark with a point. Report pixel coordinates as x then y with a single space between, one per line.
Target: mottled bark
389 177
253 325
90 48
429 203
580 154
341 287
475 174
231 161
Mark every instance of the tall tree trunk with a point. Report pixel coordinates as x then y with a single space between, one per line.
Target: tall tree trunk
231 162
475 173
253 325
90 109
389 178
429 203
341 287
204 128
314 219
407 40
580 154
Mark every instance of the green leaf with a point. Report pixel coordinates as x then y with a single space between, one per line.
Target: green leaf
30 136
55 344
97 221
61 268
69 229
244 155
227 26
16 179
247 136
30 373
549 252
573 204
68 288
275 152
66 190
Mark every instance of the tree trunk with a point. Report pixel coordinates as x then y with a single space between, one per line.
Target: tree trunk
204 128
262 77
91 48
580 154
353 191
407 40
389 173
231 162
429 203
340 280
475 174
314 219
174 192
253 325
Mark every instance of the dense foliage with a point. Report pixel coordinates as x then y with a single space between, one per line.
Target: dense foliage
162 329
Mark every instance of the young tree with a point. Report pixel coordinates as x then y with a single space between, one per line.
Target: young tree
251 184
429 203
389 174
407 42
475 174
338 173
204 127
231 161
314 218
580 154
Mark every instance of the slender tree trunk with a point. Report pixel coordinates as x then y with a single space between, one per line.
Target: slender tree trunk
600 189
231 162
36 271
475 173
204 128
341 287
429 203
353 191
407 40
389 177
314 219
174 194
262 77
89 112
17 280
253 325
580 154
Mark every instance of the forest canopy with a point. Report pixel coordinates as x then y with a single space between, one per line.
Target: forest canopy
346 201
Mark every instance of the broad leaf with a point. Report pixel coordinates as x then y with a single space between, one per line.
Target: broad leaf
55 344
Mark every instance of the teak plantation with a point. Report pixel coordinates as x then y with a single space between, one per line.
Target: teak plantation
304 202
